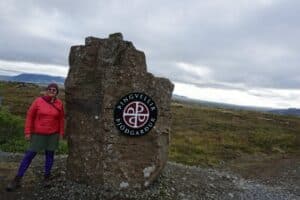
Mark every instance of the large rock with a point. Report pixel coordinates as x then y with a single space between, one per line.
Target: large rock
101 73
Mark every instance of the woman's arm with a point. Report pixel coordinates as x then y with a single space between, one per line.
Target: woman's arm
31 114
62 122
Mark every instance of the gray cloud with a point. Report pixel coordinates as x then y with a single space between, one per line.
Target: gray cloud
245 44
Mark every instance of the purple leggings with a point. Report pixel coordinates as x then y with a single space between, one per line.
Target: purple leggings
29 155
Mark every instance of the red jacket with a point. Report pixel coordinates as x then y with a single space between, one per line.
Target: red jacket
43 118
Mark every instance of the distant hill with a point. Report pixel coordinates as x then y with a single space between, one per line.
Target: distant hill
290 111
187 100
34 78
4 78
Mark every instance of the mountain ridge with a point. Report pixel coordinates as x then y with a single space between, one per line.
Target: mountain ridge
34 78
43 79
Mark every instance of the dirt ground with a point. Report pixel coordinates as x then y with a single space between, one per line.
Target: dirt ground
237 179
280 170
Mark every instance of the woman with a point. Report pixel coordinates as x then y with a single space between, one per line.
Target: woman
44 127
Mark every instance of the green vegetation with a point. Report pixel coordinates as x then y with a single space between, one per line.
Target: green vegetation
11 131
200 135
12 134
210 136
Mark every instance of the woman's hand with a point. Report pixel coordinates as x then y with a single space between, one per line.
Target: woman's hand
61 137
27 137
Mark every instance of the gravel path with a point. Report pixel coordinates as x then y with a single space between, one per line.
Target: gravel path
177 182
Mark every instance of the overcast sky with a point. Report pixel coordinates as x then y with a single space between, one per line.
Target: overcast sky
242 52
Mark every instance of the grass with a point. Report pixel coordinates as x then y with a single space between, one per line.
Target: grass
12 135
210 136
199 136
11 129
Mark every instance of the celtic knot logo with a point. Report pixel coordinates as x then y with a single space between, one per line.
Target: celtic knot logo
135 114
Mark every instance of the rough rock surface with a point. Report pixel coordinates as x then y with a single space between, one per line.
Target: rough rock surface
101 72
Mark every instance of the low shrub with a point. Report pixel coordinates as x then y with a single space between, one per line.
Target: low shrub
11 126
12 134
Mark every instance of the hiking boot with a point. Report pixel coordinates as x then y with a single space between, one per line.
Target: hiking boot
46 181
14 184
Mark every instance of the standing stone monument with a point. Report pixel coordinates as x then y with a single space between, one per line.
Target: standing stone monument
118 115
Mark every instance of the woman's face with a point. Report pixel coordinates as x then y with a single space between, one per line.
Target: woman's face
51 91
